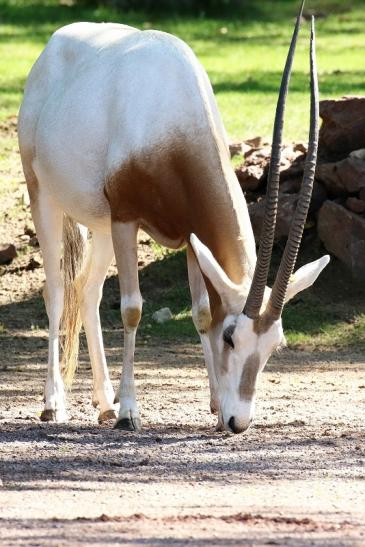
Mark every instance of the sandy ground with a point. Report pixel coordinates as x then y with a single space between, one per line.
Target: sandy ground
296 478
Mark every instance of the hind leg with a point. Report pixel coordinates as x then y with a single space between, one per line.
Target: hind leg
48 221
100 254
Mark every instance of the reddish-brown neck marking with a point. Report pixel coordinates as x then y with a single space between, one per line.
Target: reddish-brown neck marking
181 190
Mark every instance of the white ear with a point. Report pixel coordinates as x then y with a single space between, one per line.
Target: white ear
232 295
305 276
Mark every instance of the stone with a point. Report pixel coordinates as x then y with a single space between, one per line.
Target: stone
162 315
343 234
286 208
34 242
345 176
237 148
319 196
7 253
293 171
252 174
29 230
356 205
259 154
343 127
358 154
300 147
291 186
255 142
250 177
33 264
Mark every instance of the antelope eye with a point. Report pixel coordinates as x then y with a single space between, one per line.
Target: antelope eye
227 335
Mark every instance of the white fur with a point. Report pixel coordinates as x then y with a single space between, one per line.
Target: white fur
133 300
100 255
233 296
246 343
245 340
305 276
50 236
98 95
83 116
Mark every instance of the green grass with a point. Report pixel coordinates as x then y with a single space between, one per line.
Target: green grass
330 316
243 53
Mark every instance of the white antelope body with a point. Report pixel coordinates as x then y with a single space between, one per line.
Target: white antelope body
119 130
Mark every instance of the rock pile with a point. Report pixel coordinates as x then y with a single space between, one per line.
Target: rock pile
338 203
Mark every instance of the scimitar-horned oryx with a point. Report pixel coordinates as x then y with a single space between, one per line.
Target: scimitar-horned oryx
119 130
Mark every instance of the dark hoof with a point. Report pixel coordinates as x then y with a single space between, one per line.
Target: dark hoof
116 399
95 403
107 416
48 415
128 424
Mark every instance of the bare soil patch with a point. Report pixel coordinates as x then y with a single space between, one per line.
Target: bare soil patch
296 478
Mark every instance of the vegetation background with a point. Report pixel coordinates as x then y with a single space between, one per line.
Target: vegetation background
242 44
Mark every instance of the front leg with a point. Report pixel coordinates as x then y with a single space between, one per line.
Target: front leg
125 249
202 320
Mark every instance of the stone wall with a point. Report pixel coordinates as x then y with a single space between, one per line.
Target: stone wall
338 203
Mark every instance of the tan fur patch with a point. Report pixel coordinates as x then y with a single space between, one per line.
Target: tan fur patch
249 376
33 189
225 360
131 317
203 320
32 185
178 190
262 324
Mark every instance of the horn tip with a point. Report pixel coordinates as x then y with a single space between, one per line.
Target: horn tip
325 260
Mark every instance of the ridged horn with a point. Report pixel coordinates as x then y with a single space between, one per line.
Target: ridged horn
256 294
277 298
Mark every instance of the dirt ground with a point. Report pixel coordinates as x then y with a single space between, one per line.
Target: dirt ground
297 477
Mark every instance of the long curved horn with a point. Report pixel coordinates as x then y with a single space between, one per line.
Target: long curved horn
255 296
287 264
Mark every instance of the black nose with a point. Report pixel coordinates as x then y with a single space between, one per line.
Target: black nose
234 427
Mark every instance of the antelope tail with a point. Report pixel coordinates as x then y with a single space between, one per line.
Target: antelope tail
74 252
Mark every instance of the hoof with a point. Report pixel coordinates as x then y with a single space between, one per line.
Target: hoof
50 415
128 424
220 425
95 403
116 399
107 416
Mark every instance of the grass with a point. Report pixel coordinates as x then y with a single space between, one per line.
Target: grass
243 53
330 316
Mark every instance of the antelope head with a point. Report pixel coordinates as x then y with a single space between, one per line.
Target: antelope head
251 329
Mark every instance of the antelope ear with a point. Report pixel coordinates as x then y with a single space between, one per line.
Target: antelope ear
305 276
232 295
